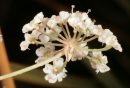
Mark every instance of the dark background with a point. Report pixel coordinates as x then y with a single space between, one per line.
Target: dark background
112 14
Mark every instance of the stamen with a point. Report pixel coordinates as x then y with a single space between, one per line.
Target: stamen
94 21
89 10
72 8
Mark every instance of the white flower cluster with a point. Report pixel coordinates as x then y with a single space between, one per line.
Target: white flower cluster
99 62
54 32
0 38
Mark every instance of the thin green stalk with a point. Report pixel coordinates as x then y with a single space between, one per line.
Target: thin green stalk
83 37
67 29
31 67
107 47
63 29
53 37
59 35
88 40
49 43
63 66
79 35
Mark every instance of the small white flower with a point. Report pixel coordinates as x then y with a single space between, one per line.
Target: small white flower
27 28
43 38
73 21
84 16
108 38
52 71
24 45
64 15
46 51
99 62
38 18
32 37
52 33
52 22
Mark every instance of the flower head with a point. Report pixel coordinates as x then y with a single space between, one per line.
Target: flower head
54 36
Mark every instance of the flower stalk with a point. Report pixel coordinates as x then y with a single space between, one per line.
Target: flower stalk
19 72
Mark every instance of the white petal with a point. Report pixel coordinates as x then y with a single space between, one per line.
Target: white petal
102 38
60 76
38 18
40 51
44 38
24 45
64 70
88 21
27 28
107 32
48 68
40 59
104 60
52 22
57 29
117 46
64 15
28 36
52 78
104 68
35 33
84 16
73 22
58 62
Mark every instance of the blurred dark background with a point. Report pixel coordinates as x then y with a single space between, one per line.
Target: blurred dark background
112 14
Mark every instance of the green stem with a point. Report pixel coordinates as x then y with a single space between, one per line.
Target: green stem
83 37
59 35
53 37
107 47
31 67
74 36
90 39
67 29
63 29
63 66
49 43
79 35
92 59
